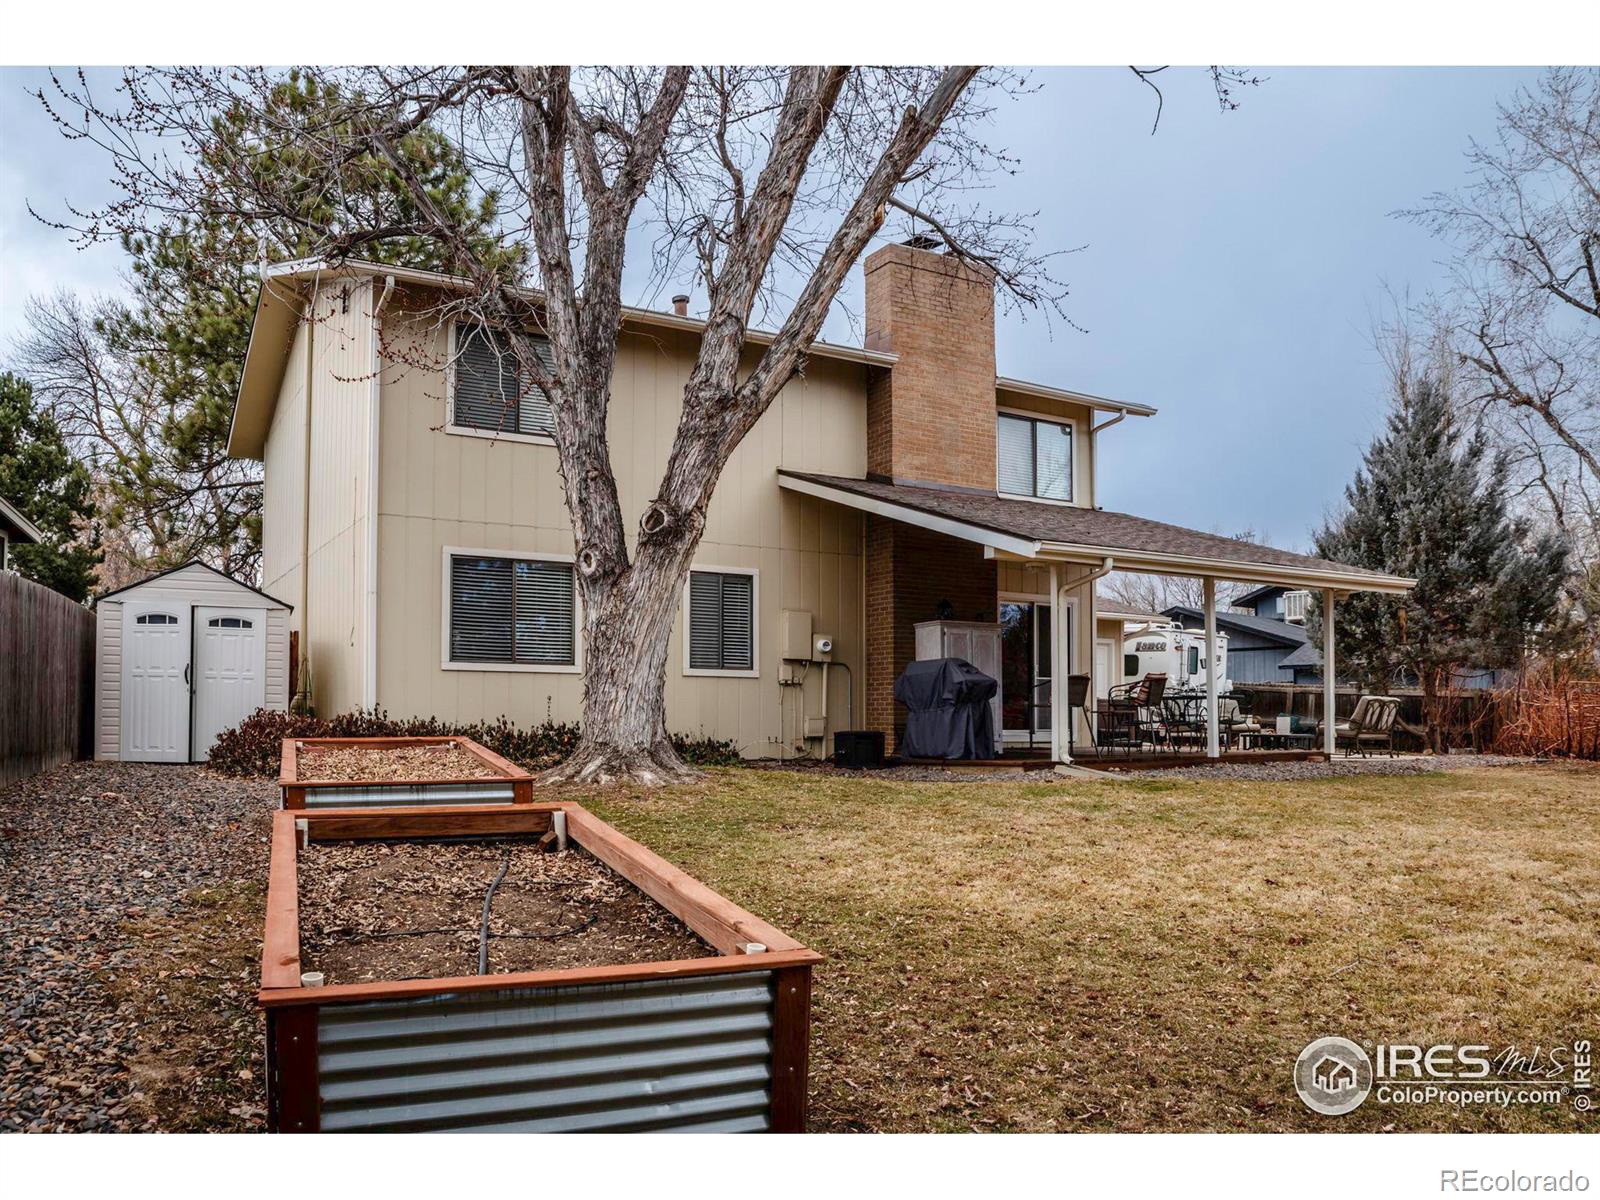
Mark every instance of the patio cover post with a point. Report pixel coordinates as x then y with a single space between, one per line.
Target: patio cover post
1328 736
1212 750
1057 743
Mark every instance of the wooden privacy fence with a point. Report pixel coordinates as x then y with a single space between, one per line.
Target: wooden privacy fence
1470 714
46 677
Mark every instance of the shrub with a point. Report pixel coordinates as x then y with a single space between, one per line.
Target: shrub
255 746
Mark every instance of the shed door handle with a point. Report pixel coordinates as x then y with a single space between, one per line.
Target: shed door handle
186 682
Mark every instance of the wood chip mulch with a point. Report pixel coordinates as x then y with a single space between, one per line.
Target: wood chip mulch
412 910
344 763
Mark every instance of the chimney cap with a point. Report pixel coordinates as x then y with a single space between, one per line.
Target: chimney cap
923 241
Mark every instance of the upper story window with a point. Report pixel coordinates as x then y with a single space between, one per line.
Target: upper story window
490 392
721 622
510 612
1033 457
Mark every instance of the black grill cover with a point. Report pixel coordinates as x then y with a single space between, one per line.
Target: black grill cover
948 710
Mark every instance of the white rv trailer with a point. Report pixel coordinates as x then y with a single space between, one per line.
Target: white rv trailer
1177 652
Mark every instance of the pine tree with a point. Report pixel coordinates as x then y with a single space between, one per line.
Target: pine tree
1430 502
42 481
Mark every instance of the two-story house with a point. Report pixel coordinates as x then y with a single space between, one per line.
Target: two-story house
417 524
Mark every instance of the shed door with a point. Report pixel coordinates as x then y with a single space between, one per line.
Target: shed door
230 667
155 682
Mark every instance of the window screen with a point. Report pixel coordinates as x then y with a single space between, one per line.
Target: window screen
489 389
1033 458
512 611
721 621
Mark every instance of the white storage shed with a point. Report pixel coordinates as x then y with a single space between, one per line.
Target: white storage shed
182 656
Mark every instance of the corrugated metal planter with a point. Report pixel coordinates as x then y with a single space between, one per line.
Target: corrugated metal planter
715 1044
510 785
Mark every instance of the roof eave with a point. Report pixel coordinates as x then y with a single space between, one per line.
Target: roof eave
24 526
1231 569
1044 392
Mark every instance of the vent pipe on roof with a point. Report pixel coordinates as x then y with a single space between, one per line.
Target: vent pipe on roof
680 305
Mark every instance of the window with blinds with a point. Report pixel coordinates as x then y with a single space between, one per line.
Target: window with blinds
505 610
490 392
1033 458
721 621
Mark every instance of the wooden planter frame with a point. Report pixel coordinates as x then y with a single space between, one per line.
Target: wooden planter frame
294 788
293 1010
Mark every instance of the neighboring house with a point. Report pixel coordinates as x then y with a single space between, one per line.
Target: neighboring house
416 521
1258 645
15 530
1269 643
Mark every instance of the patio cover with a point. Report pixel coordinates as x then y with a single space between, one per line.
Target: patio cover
1028 529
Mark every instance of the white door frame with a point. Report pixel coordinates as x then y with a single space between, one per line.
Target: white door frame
131 611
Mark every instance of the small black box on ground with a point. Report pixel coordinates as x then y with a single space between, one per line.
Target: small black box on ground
859 748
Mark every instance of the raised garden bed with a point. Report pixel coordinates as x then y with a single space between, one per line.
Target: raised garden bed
620 993
397 772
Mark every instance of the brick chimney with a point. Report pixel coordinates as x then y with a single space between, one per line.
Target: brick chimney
931 418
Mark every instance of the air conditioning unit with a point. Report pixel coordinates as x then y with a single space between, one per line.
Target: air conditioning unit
1295 605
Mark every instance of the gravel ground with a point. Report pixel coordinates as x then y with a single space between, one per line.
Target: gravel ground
96 860
1272 771
1265 771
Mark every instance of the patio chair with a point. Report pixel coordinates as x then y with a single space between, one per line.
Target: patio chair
1130 715
1371 725
1183 720
1234 718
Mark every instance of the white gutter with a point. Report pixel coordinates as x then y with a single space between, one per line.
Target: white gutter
630 315
1044 391
369 664
1244 572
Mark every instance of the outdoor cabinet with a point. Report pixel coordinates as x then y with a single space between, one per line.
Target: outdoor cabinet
976 641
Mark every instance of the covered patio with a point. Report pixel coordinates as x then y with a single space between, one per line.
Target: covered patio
936 551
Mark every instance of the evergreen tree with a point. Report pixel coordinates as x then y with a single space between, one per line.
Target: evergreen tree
1430 502
172 359
41 480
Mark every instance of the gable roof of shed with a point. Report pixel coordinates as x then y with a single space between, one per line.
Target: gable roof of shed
193 562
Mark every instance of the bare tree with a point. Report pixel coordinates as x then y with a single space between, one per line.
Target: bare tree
1523 311
767 184
156 511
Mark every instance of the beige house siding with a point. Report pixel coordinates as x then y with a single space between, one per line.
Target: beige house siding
439 489
340 338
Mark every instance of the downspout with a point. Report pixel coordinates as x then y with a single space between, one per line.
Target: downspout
369 674
1094 453
302 698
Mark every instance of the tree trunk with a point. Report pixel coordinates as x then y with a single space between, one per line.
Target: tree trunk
1432 722
627 626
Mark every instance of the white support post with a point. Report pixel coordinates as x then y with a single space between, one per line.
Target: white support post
1329 674
1212 738
1058 745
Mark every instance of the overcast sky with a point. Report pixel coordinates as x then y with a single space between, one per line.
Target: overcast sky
1233 268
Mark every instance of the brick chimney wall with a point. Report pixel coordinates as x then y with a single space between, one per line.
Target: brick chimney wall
931 418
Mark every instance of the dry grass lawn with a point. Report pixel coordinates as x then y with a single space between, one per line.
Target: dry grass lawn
1152 954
